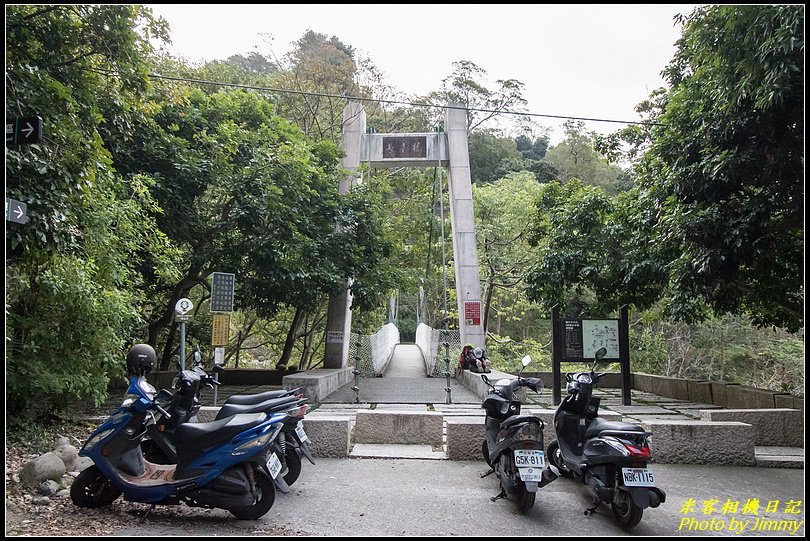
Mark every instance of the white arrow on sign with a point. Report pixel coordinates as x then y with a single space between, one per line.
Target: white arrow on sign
19 212
183 306
29 129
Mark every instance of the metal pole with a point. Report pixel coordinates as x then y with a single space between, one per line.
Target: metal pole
356 387
182 345
446 332
216 378
556 355
238 347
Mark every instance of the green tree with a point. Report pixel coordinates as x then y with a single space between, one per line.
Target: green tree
724 164
716 222
74 297
576 157
492 157
503 235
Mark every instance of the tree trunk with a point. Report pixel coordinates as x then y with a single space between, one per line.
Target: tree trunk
488 298
292 334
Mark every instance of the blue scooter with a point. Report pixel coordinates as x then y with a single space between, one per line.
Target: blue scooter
227 464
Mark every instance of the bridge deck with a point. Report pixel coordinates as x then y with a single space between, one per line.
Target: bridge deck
406 362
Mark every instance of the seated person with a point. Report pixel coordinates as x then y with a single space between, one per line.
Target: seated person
477 361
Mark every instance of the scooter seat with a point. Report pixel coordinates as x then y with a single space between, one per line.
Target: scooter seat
259 397
599 424
518 419
202 435
263 407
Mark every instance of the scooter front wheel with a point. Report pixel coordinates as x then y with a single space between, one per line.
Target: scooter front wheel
265 497
92 489
555 457
625 511
485 452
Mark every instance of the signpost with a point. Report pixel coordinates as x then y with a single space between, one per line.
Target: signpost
181 314
221 306
24 130
220 330
577 340
16 211
222 292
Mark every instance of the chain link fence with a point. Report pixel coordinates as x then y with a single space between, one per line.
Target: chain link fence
431 342
375 350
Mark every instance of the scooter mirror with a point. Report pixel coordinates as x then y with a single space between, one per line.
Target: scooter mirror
598 356
527 359
485 378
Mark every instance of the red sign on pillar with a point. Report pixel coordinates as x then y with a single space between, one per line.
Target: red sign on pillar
472 313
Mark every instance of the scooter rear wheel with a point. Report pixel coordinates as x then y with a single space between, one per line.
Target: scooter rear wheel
525 499
92 489
625 511
265 497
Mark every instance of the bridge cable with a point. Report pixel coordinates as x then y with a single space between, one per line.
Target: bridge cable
446 328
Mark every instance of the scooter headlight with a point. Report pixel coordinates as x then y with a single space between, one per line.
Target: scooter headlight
93 441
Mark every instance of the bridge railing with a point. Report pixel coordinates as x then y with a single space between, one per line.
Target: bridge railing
431 343
375 350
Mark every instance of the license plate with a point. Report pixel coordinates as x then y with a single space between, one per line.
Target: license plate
299 431
529 458
638 477
273 465
530 474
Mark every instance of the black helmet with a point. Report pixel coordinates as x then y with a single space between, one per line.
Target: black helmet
140 360
478 353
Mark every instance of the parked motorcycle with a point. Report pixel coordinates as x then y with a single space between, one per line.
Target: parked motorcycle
609 456
183 405
513 443
227 464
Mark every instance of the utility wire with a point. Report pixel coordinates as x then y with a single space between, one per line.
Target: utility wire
380 100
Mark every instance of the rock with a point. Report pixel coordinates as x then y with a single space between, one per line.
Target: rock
68 454
62 441
47 466
41 500
49 487
64 493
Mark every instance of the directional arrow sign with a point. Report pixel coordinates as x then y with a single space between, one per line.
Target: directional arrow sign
24 131
16 211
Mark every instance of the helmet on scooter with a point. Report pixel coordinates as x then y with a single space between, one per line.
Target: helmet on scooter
478 353
140 360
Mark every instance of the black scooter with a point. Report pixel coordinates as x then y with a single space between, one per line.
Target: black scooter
609 456
513 443
183 405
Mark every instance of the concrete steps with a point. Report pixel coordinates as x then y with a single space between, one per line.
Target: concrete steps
779 457
454 431
397 450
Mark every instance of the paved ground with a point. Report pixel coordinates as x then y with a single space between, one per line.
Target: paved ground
393 497
396 496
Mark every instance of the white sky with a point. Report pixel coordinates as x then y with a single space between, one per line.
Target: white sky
595 61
